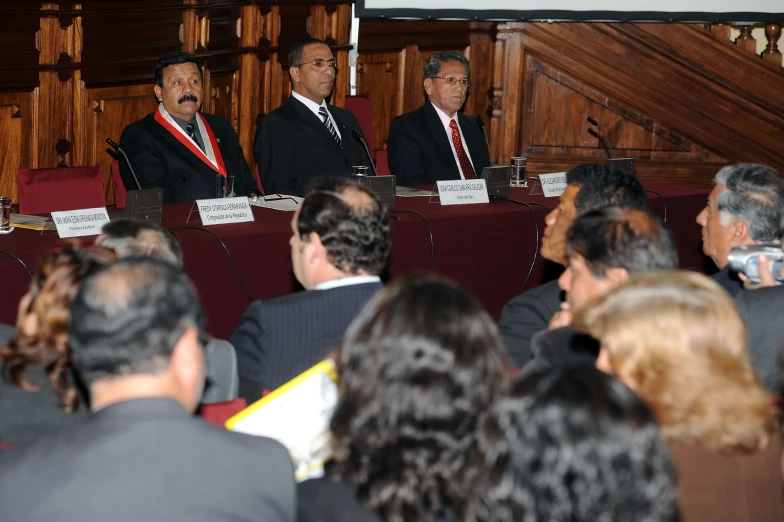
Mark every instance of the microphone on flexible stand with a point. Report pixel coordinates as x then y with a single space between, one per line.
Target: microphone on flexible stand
360 138
606 142
624 164
481 123
113 144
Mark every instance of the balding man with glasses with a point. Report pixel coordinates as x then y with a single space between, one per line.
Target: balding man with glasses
305 137
436 141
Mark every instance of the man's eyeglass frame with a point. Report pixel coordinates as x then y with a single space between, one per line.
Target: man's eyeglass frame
320 63
454 81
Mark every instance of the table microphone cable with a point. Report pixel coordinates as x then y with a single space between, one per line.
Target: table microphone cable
6 252
536 227
394 229
664 202
231 258
429 230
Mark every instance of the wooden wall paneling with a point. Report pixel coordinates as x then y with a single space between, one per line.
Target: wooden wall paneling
19 52
379 75
109 110
255 33
506 98
480 58
16 139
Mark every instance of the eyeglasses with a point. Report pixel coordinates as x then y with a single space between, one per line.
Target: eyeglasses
320 63
454 81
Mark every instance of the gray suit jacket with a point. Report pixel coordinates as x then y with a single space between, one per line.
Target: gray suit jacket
147 459
761 310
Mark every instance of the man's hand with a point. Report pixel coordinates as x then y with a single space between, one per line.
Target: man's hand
766 277
561 318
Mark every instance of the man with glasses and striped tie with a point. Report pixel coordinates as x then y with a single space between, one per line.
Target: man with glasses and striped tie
436 141
305 137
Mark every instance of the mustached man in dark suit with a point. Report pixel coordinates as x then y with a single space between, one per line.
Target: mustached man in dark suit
305 137
339 245
190 155
436 142
141 454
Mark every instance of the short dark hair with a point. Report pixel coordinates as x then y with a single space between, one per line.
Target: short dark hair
174 58
602 185
571 445
127 318
755 194
433 65
613 237
417 367
132 237
355 235
297 51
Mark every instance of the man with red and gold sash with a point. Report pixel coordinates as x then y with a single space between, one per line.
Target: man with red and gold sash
188 154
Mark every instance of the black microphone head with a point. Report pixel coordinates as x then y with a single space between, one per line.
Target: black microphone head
480 121
112 143
593 122
357 135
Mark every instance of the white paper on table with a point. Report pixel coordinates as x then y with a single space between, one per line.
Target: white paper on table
297 415
278 202
408 192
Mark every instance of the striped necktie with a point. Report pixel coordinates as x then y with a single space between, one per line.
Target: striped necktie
328 123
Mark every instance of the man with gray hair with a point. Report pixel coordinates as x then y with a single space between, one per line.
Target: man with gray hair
134 340
132 237
745 207
436 141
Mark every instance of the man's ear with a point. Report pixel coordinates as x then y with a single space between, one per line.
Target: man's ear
428 85
739 233
187 367
294 73
315 248
157 90
616 275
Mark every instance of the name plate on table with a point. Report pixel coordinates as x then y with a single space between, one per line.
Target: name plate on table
462 192
224 210
554 184
82 222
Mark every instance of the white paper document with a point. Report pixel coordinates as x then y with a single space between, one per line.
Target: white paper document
278 202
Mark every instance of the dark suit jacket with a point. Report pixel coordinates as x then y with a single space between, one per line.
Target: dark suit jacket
419 148
281 338
160 160
147 459
560 348
293 146
524 316
761 311
728 280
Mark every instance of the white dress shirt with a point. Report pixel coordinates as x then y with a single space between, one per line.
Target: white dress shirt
314 107
445 120
346 281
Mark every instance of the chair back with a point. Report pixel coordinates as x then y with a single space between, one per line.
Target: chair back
42 191
221 359
382 163
219 412
120 192
362 108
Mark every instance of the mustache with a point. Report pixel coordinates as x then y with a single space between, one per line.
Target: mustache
188 97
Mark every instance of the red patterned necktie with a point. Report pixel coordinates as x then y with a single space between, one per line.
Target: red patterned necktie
462 157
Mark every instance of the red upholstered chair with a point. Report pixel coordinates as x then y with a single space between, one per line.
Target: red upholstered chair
382 163
361 107
42 191
219 412
120 194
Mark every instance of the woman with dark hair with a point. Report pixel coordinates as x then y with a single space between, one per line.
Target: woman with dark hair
570 446
37 393
417 367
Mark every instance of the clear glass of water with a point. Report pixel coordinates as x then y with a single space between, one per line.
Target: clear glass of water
360 170
519 178
5 214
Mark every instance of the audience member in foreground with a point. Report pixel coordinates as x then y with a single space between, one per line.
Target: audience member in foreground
37 392
605 247
589 186
418 366
745 207
676 339
571 446
132 237
141 455
339 245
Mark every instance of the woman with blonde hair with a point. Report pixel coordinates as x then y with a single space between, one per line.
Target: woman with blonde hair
676 339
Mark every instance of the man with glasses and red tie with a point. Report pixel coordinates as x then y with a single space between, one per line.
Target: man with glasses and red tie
305 137
436 142
188 154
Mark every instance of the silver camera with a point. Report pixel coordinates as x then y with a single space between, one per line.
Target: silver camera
744 260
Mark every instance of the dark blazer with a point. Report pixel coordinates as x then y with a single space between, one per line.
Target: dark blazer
281 338
28 415
419 148
728 280
160 160
293 146
560 348
761 311
720 488
322 500
147 459
525 315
